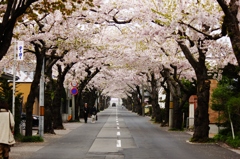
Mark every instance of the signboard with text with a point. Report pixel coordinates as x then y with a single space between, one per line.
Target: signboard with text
20 47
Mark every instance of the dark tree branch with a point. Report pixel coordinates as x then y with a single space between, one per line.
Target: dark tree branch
207 36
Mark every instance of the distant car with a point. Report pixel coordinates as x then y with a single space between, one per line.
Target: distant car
35 120
114 105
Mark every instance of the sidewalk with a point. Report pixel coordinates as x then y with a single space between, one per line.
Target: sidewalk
22 150
211 135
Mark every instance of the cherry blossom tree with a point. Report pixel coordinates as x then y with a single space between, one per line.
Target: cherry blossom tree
179 22
10 11
118 47
194 34
230 24
43 34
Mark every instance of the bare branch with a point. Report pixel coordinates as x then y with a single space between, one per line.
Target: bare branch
218 36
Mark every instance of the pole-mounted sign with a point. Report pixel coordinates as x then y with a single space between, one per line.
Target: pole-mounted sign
74 84
74 91
20 47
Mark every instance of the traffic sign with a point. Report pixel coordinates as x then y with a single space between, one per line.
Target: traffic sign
74 91
74 84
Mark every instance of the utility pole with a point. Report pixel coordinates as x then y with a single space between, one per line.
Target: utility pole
14 78
143 105
18 50
41 101
73 107
171 112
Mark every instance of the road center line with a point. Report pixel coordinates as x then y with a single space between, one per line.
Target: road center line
119 143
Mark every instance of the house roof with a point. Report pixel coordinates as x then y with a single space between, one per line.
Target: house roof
8 76
24 77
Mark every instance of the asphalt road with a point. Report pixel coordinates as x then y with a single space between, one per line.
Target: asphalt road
120 134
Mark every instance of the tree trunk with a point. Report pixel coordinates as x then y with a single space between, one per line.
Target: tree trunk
136 103
177 114
231 25
167 102
81 104
59 94
6 39
127 102
9 19
29 107
156 113
201 116
81 86
57 116
101 103
174 88
77 106
139 101
33 93
48 120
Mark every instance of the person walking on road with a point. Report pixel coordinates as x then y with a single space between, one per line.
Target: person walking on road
7 128
85 111
94 114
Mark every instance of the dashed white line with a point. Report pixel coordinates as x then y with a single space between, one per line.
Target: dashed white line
118 133
119 143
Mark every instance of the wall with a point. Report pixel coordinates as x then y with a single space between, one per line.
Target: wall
24 87
213 115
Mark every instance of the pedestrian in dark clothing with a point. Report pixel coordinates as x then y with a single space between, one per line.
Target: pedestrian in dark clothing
85 111
96 114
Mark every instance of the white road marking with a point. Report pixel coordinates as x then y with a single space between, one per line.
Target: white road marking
118 127
118 133
118 143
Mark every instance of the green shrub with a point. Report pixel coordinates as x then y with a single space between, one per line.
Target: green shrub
18 137
228 139
32 139
174 129
220 137
225 132
235 143
150 111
